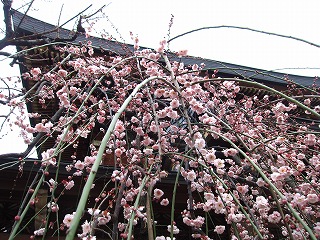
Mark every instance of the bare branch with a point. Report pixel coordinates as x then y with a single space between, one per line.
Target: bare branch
60 14
20 42
29 40
6 54
246 28
33 42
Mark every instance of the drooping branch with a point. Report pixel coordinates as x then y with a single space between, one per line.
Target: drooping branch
86 190
249 29
271 185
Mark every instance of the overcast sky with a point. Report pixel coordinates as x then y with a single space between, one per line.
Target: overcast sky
150 20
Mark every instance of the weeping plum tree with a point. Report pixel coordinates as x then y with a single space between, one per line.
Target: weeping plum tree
246 158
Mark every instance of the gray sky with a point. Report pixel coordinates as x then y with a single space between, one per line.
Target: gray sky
150 20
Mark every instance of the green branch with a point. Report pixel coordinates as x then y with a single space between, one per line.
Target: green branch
86 190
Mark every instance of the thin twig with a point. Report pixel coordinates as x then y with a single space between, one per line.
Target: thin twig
76 15
25 14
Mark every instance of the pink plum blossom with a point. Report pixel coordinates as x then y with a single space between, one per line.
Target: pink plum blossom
219 229
157 193
69 185
164 202
68 219
175 229
39 232
35 72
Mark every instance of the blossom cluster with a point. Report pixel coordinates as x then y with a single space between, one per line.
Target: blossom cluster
241 156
